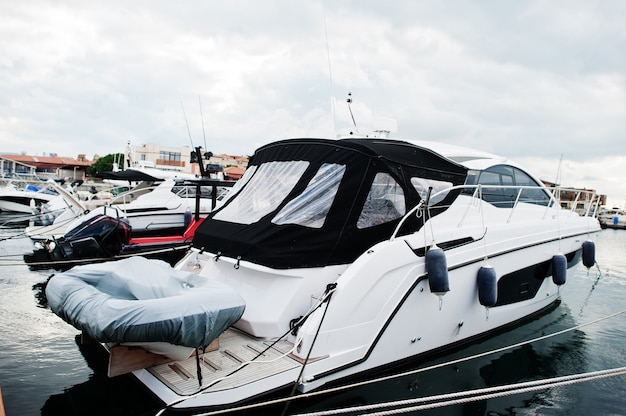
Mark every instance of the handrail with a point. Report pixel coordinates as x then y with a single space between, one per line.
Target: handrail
478 194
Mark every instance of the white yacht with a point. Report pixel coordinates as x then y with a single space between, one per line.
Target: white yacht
152 207
612 217
24 200
356 254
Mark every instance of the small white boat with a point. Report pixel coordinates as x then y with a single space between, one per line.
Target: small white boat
612 217
24 200
354 255
153 207
166 206
65 203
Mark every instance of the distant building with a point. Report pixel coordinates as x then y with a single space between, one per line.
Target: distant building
12 165
226 161
578 199
233 173
161 157
179 159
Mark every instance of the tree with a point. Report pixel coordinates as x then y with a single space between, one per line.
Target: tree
105 163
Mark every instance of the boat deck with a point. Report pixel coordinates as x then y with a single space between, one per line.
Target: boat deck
220 369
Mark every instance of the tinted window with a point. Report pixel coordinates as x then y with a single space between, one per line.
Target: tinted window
533 196
511 179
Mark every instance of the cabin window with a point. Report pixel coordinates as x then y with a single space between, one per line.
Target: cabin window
264 191
534 195
502 185
438 193
384 203
311 207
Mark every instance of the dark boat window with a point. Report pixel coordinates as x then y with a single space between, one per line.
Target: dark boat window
263 192
384 203
311 207
510 179
534 196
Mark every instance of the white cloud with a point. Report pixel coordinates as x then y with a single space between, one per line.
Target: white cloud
527 80
603 174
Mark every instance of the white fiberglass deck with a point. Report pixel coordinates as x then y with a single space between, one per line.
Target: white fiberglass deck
235 349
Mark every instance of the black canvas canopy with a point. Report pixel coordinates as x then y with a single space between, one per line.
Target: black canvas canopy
339 237
129 175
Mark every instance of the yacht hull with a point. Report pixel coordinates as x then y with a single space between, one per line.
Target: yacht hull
380 316
21 204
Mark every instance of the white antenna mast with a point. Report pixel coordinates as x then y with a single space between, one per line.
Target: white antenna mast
558 171
187 124
349 101
202 120
557 192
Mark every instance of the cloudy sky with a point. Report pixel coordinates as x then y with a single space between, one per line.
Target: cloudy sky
537 81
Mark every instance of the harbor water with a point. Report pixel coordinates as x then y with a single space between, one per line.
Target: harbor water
44 371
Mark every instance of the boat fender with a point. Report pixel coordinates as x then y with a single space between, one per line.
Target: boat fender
437 270
589 253
187 217
487 286
559 269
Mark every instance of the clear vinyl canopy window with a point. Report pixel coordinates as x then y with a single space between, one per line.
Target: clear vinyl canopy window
239 184
422 186
311 207
263 192
384 203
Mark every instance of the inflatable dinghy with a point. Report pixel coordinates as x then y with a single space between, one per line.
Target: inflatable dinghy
137 300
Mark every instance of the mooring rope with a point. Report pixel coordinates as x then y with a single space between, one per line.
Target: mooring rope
462 397
329 291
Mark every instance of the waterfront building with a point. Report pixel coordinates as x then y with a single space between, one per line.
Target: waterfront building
179 159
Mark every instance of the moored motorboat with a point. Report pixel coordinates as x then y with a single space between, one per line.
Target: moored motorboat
65 205
152 208
102 235
612 218
102 238
357 254
24 200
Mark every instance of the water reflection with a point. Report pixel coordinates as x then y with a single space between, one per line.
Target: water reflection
39 292
101 395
